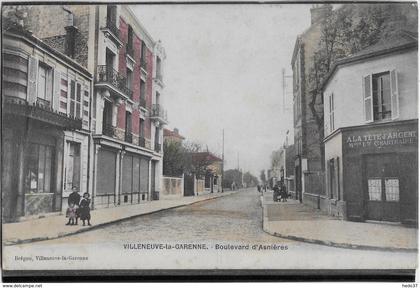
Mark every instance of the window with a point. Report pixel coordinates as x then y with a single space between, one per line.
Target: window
142 90
141 127
143 55
381 96
332 181
130 41
157 98
129 78
45 84
128 122
75 99
111 15
375 189
39 167
331 112
72 170
158 68
392 189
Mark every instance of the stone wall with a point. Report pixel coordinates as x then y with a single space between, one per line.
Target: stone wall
172 187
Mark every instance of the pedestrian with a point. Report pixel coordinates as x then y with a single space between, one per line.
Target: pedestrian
73 202
84 209
283 191
276 192
259 188
71 214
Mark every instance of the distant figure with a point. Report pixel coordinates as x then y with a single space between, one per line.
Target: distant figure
276 193
259 188
265 187
283 191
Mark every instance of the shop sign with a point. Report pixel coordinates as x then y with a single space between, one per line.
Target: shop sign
382 139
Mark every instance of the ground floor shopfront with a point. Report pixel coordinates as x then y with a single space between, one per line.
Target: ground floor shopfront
124 174
32 160
372 172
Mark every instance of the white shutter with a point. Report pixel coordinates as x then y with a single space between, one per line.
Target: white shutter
395 105
32 79
367 98
57 88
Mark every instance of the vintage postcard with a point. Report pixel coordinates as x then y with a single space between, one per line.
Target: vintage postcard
155 137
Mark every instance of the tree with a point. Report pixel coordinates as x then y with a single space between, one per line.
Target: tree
173 158
230 176
193 162
250 180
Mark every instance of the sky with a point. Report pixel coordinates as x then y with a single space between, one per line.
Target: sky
223 70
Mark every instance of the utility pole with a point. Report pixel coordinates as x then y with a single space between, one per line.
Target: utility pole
223 157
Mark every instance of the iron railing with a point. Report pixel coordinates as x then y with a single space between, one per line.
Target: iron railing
108 75
158 146
158 111
112 26
128 137
108 130
142 141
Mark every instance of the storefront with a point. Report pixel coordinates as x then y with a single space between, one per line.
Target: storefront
372 172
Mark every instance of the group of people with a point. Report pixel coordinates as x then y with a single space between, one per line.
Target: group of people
262 188
280 190
78 207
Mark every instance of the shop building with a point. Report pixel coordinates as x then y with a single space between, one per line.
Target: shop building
45 132
371 129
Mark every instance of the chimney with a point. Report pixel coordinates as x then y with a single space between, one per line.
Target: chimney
71 31
318 12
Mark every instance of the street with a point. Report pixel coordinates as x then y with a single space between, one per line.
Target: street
231 220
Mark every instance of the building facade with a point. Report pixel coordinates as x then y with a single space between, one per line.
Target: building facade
127 100
371 129
46 126
308 170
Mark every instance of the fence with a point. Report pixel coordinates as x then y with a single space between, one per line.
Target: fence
172 187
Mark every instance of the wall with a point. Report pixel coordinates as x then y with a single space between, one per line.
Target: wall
346 84
172 187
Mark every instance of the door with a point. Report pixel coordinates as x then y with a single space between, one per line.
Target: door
298 180
189 185
382 186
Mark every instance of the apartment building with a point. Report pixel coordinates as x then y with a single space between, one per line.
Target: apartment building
127 100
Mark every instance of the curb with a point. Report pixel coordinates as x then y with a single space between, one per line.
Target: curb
90 228
340 245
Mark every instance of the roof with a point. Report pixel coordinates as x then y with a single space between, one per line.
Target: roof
400 41
170 133
201 156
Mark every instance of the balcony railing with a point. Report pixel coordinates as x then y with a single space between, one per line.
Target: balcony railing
128 137
108 75
142 141
158 146
142 102
112 26
159 112
108 130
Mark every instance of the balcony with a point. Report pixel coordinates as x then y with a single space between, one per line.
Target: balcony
128 137
111 31
142 141
158 113
158 147
41 110
110 78
108 130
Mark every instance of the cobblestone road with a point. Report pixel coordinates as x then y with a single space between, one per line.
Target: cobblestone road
231 220
237 217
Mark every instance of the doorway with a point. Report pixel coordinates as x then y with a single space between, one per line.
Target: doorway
382 187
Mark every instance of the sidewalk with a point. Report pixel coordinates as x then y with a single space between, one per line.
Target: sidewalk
54 227
295 221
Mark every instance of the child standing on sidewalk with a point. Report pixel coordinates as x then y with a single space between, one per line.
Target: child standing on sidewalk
71 214
84 209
